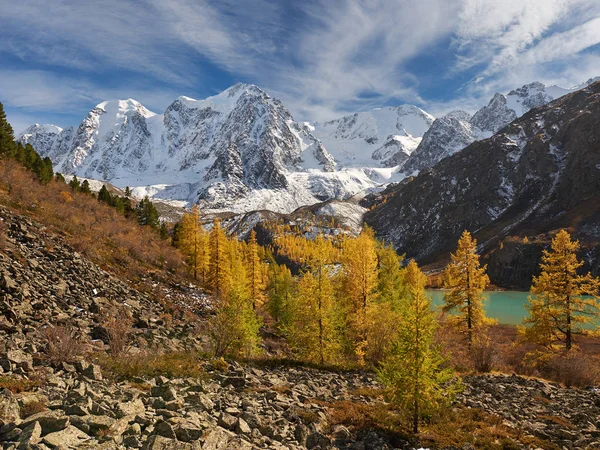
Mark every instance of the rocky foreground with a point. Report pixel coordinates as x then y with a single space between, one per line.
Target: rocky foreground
249 408
44 282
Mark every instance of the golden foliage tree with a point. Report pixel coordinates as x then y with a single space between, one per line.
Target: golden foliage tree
255 271
193 242
281 292
312 331
359 260
466 281
235 326
562 302
219 269
413 372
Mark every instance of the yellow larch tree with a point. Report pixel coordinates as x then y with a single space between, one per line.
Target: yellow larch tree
255 270
413 372
359 260
312 331
562 303
466 280
220 263
193 242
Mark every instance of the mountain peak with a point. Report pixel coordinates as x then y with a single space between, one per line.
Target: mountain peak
120 108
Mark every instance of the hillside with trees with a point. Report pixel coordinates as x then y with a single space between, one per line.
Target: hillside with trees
186 337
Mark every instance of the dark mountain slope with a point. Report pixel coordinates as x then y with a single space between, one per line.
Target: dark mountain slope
538 174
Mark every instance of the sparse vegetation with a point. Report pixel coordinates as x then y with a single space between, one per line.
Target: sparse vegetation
32 407
152 364
62 344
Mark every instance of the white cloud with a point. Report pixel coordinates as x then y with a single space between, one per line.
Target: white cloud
321 57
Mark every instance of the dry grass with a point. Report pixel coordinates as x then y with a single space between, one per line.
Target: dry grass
484 431
31 408
118 327
16 385
149 364
91 227
452 427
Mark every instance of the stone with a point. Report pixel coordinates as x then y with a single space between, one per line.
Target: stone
131 408
242 427
165 429
227 421
236 382
30 435
70 437
162 443
165 392
93 372
9 407
216 439
317 439
50 421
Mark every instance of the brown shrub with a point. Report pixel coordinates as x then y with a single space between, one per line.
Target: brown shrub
31 408
574 369
118 327
62 345
483 354
2 234
17 385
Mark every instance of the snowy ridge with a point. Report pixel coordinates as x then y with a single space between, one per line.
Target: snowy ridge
374 138
242 150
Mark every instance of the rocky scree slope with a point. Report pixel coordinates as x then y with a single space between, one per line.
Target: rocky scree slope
538 174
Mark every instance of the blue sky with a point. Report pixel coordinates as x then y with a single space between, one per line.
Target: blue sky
322 58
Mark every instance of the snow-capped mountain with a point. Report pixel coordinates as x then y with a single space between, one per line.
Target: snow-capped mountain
458 129
238 150
381 137
242 150
538 174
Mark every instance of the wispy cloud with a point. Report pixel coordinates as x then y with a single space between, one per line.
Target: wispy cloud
321 57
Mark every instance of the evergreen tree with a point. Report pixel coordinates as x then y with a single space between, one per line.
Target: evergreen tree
147 214
74 183
562 302
85 187
127 192
104 195
413 373
163 231
7 138
466 281
59 178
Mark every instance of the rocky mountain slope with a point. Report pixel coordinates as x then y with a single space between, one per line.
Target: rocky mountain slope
242 150
456 130
239 146
540 173
228 406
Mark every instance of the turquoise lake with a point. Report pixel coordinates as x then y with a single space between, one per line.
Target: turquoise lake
508 307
